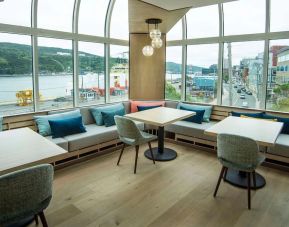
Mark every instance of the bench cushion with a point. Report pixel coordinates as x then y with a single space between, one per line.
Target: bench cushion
95 135
281 147
61 142
191 129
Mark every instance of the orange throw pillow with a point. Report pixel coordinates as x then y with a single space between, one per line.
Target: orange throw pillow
134 104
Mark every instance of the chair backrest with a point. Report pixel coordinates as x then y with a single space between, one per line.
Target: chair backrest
25 193
238 150
127 128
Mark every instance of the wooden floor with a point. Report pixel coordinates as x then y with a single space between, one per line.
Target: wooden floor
175 193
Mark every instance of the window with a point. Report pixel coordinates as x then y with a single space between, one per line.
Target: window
243 74
55 14
202 73
244 17
16 93
55 73
92 15
23 12
176 33
203 22
119 73
91 75
119 20
278 76
173 73
279 15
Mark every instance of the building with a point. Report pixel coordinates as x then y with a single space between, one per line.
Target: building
282 72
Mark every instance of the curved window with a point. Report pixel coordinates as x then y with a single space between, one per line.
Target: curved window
203 22
244 17
92 15
279 15
55 14
16 12
119 20
176 33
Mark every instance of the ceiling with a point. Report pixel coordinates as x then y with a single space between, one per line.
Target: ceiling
180 4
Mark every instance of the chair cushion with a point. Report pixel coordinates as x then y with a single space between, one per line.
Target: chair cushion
66 126
94 135
208 109
191 129
134 104
197 118
96 111
141 108
285 129
43 124
281 146
61 142
108 116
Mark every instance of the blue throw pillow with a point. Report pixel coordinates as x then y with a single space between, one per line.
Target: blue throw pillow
1 124
43 124
208 110
198 118
66 127
108 116
285 129
255 115
141 108
96 112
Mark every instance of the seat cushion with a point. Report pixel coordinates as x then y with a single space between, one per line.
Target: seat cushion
281 146
61 142
191 129
95 135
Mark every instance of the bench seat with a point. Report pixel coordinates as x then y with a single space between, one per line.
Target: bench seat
61 142
281 147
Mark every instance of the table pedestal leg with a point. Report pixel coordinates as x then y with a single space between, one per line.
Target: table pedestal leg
161 153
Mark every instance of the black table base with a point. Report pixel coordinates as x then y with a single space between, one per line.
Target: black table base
167 154
239 179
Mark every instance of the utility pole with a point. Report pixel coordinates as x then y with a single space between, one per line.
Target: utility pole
230 74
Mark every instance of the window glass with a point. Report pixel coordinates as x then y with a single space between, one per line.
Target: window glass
173 73
243 74
55 14
279 15
55 73
202 73
92 15
91 75
119 20
244 17
8 12
176 33
16 94
119 73
278 76
203 22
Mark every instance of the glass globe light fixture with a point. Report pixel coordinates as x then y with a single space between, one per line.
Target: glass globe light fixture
148 51
157 43
155 33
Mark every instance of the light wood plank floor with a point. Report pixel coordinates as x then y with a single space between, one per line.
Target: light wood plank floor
175 193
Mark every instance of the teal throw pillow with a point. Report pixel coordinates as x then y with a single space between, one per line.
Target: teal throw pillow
108 116
193 107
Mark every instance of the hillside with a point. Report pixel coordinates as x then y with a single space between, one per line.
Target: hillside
176 68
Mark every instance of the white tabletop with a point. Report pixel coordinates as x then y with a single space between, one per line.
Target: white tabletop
262 131
160 116
21 148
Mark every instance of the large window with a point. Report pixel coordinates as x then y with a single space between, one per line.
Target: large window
16 93
202 73
55 14
119 20
119 73
55 73
92 17
278 76
244 17
176 33
91 75
173 73
279 15
203 22
243 74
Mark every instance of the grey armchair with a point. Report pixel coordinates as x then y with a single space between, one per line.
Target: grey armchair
239 153
25 193
130 134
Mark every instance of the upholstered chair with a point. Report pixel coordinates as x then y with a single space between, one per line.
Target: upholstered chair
130 135
239 153
25 193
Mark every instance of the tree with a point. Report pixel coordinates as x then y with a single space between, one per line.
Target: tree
171 92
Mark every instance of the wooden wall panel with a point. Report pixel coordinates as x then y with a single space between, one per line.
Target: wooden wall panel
147 74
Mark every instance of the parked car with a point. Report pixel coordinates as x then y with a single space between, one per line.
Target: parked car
242 96
235 86
249 93
239 91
